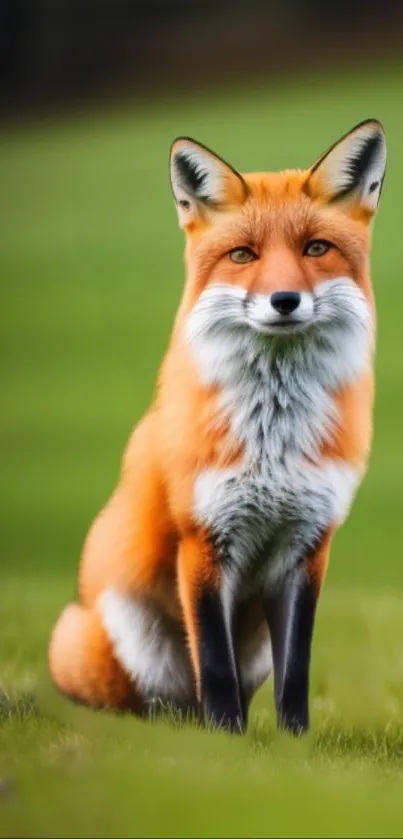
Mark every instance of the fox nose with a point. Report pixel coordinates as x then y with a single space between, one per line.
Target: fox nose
285 302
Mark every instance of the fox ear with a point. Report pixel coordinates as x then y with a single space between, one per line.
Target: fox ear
353 169
201 180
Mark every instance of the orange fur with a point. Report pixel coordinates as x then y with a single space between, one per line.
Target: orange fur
83 665
316 565
195 567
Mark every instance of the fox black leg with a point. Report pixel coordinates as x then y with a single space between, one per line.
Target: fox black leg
221 695
290 613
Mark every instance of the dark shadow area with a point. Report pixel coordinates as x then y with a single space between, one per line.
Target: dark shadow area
58 53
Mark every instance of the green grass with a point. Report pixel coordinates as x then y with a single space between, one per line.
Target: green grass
91 273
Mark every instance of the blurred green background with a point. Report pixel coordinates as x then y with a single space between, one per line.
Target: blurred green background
91 275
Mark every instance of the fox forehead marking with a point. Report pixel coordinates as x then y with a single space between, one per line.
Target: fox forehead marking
286 222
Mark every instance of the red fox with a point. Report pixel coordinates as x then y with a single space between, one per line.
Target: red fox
203 571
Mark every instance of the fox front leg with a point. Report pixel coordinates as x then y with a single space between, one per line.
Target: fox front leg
210 637
290 613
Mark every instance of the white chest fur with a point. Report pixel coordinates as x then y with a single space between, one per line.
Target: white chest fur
277 397
280 513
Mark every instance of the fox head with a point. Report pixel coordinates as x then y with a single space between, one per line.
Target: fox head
282 256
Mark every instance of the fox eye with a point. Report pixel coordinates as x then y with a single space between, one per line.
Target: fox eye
242 255
317 247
